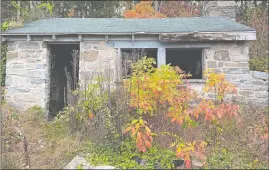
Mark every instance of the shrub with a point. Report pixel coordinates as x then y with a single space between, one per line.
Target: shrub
259 64
154 91
105 116
36 113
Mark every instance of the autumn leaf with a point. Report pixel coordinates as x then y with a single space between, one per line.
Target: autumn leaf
133 131
91 116
147 144
188 164
127 130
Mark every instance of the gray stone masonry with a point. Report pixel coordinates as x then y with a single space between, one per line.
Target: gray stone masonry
27 82
96 58
26 74
232 60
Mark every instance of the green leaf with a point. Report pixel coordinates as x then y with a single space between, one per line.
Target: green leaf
134 121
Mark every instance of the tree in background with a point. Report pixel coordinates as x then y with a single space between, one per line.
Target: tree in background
143 9
34 10
180 8
255 15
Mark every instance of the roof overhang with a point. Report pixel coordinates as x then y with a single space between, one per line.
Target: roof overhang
163 37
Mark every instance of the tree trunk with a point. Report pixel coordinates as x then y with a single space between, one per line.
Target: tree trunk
156 5
31 5
62 9
19 11
255 3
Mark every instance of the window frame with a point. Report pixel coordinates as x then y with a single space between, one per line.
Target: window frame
201 80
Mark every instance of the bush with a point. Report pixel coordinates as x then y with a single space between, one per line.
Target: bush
36 113
128 157
259 64
105 115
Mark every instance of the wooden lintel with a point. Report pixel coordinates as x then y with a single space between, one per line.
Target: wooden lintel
80 38
133 37
29 38
106 38
215 36
53 37
4 38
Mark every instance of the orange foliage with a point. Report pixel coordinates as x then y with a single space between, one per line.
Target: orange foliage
141 132
185 151
262 129
152 89
91 116
143 9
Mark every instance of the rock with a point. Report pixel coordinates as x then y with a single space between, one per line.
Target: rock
142 162
37 81
29 45
36 74
261 94
103 167
196 163
246 93
212 64
222 55
80 162
243 64
89 56
76 162
12 55
260 75
17 65
235 70
11 46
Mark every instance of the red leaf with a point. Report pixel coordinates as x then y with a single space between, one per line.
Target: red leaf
188 164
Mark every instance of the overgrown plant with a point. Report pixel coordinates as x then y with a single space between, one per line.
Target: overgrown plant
155 91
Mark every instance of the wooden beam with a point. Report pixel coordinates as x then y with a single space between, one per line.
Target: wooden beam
4 39
53 37
157 44
80 38
29 38
207 36
133 37
161 57
106 38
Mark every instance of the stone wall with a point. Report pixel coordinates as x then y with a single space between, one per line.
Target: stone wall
26 71
26 74
97 58
232 60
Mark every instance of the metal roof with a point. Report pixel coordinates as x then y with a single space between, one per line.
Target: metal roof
129 26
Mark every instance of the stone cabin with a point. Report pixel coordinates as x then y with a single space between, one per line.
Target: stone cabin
39 52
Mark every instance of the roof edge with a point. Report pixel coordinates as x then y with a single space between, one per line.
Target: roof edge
163 37
127 33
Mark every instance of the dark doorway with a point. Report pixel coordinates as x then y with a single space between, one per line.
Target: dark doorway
189 60
63 74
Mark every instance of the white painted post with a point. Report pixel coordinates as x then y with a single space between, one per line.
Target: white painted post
161 57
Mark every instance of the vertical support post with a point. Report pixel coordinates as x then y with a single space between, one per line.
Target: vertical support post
161 57
80 79
118 62
48 75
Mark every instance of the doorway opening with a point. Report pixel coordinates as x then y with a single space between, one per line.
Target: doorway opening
189 60
64 67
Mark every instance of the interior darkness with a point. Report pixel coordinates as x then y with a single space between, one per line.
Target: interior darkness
135 54
187 60
61 58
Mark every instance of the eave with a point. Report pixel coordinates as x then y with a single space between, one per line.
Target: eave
163 37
